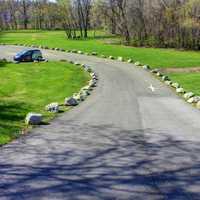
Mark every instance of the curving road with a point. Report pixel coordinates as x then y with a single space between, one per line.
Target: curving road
124 142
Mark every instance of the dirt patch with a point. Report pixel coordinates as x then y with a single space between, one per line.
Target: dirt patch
181 70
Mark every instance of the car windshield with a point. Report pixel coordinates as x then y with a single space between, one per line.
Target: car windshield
22 52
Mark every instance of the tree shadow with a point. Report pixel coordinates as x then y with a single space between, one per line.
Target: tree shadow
99 162
96 37
12 114
2 64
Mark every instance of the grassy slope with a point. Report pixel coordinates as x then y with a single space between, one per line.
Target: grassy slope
151 56
189 81
29 87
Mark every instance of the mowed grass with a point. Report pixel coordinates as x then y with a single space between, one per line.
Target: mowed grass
155 57
28 87
189 81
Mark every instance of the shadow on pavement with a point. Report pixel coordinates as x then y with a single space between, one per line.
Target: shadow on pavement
100 162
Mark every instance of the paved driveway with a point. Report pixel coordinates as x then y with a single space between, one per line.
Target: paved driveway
124 142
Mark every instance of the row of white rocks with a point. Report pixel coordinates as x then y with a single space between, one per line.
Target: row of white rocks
190 97
74 100
73 51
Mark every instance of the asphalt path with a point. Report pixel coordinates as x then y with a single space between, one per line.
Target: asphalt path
125 142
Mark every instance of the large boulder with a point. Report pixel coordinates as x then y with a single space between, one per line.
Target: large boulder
80 52
71 101
33 119
188 95
52 107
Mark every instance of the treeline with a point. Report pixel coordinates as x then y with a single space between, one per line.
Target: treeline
160 23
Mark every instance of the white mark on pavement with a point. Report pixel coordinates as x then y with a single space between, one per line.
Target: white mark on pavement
153 89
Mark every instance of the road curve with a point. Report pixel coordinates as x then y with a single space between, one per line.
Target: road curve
123 142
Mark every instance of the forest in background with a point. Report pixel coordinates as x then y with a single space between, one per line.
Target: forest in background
154 23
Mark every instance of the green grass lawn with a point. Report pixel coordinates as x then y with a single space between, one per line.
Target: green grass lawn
189 81
28 87
155 57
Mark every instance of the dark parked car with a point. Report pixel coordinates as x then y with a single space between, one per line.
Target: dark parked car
29 56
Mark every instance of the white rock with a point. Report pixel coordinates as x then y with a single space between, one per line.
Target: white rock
175 85
188 95
111 57
76 63
74 51
137 63
146 67
33 119
78 97
165 78
94 76
120 59
83 94
88 69
52 107
180 90
159 74
198 105
168 82
194 99
130 61
94 53
92 83
154 71
71 101
88 88
80 52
